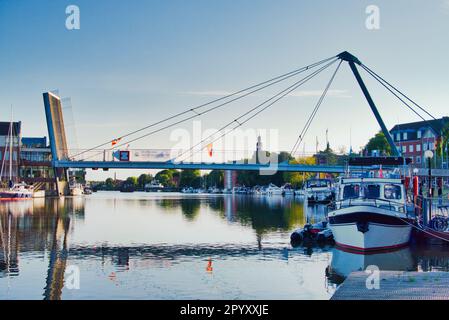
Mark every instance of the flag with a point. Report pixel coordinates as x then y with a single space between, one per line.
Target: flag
209 149
115 141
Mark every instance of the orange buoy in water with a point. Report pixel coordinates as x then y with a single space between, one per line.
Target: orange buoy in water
209 265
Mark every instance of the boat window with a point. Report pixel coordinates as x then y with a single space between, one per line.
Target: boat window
371 191
317 183
351 191
392 192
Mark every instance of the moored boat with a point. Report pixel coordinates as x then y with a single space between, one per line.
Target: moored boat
287 190
19 191
154 186
13 191
370 214
274 190
318 191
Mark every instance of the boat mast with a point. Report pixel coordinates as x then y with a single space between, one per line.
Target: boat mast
10 146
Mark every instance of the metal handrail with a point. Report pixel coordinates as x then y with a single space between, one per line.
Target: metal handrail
375 200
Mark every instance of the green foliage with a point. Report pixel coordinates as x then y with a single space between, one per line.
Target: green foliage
109 184
327 157
190 178
441 147
168 178
379 142
144 179
132 181
215 178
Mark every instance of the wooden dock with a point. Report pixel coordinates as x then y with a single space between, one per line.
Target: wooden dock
395 285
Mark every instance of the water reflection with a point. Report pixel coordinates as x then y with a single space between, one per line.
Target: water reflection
37 226
343 263
172 246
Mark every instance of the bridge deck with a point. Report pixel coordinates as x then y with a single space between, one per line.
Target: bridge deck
202 166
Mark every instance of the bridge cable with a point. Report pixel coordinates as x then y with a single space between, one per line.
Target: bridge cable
196 114
314 112
262 85
374 74
276 98
404 102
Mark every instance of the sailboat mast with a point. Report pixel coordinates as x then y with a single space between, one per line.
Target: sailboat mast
10 146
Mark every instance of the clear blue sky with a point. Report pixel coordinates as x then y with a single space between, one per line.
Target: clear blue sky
135 62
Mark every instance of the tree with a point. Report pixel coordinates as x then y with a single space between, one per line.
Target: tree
109 184
215 178
297 178
144 179
132 181
379 142
168 178
327 157
190 178
443 142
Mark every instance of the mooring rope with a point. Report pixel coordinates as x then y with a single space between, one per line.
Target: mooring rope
423 230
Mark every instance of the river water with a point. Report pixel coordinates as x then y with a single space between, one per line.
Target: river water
113 245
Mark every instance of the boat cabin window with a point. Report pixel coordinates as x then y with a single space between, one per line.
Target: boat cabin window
318 184
392 192
371 191
351 191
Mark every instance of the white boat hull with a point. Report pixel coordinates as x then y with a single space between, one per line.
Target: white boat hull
76 192
362 228
15 195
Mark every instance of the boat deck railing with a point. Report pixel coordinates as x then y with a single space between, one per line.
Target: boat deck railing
370 202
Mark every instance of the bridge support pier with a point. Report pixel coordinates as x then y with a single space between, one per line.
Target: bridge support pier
230 179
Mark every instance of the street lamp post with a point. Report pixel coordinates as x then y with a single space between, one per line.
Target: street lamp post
428 214
447 155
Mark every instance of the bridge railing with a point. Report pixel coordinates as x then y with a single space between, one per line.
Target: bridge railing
175 155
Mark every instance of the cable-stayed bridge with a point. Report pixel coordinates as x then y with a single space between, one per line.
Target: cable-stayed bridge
116 154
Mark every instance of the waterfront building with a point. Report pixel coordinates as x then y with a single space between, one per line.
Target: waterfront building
35 163
5 149
415 138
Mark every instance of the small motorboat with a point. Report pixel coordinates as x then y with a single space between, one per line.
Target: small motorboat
188 190
154 186
287 190
318 232
318 191
214 190
87 190
273 190
12 190
371 214
20 191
